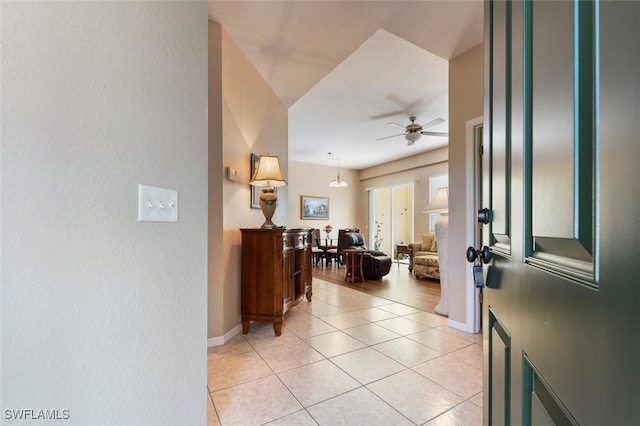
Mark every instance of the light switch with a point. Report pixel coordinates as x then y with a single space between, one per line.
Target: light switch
157 204
232 174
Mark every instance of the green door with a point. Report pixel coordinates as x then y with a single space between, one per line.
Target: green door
561 312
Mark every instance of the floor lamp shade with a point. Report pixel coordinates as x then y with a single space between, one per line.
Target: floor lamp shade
440 204
268 175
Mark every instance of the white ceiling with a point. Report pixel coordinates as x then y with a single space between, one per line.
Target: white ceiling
347 68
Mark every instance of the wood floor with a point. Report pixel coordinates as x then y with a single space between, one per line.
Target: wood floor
399 285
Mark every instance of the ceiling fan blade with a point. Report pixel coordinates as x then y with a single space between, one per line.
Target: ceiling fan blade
391 123
392 136
433 122
443 134
387 114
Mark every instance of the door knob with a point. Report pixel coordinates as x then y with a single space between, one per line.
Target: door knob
472 254
484 216
484 254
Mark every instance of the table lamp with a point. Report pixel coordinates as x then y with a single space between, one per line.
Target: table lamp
269 176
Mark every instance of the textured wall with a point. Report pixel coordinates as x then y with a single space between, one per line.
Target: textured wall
215 276
465 103
103 315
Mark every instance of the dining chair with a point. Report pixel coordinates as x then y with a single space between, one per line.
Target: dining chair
317 254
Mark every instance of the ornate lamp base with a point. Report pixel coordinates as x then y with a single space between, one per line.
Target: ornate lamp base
268 204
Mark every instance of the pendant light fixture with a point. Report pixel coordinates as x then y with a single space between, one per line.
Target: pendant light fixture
337 182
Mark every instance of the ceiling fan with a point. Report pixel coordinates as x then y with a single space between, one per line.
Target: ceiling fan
414 131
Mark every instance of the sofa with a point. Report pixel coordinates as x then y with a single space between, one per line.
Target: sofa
375 264
423 257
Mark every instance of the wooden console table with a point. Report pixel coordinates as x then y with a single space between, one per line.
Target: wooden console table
276 274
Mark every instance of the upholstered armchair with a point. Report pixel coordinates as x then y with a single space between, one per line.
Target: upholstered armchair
423 257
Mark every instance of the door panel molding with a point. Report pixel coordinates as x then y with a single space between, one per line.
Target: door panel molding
566 268
560 230
499 373
497 159
540 404
564 257
586 120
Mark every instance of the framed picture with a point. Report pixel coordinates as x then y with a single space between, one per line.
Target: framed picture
255 191
314 207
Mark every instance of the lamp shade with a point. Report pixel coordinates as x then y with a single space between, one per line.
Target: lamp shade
440 202
268 172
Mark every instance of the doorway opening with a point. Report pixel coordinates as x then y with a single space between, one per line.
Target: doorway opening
391 217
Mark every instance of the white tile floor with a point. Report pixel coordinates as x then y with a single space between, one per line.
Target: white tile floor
348 358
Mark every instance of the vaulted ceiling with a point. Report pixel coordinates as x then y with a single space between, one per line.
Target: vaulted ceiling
345 69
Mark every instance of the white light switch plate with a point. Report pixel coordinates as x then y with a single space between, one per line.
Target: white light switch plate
232 174
157 204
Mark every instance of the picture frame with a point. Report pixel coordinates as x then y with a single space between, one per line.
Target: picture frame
314 208
255 192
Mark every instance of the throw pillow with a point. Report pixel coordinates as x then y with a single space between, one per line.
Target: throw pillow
427 241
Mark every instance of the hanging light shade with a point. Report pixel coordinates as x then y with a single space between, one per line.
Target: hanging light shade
337 182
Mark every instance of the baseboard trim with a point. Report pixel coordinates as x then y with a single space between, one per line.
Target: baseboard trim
462 326
221 340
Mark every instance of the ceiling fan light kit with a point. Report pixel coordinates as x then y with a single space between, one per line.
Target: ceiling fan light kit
411 137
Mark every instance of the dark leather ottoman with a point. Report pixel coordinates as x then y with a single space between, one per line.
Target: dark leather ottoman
375 265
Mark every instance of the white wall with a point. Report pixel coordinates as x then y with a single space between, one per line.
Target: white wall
103 315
